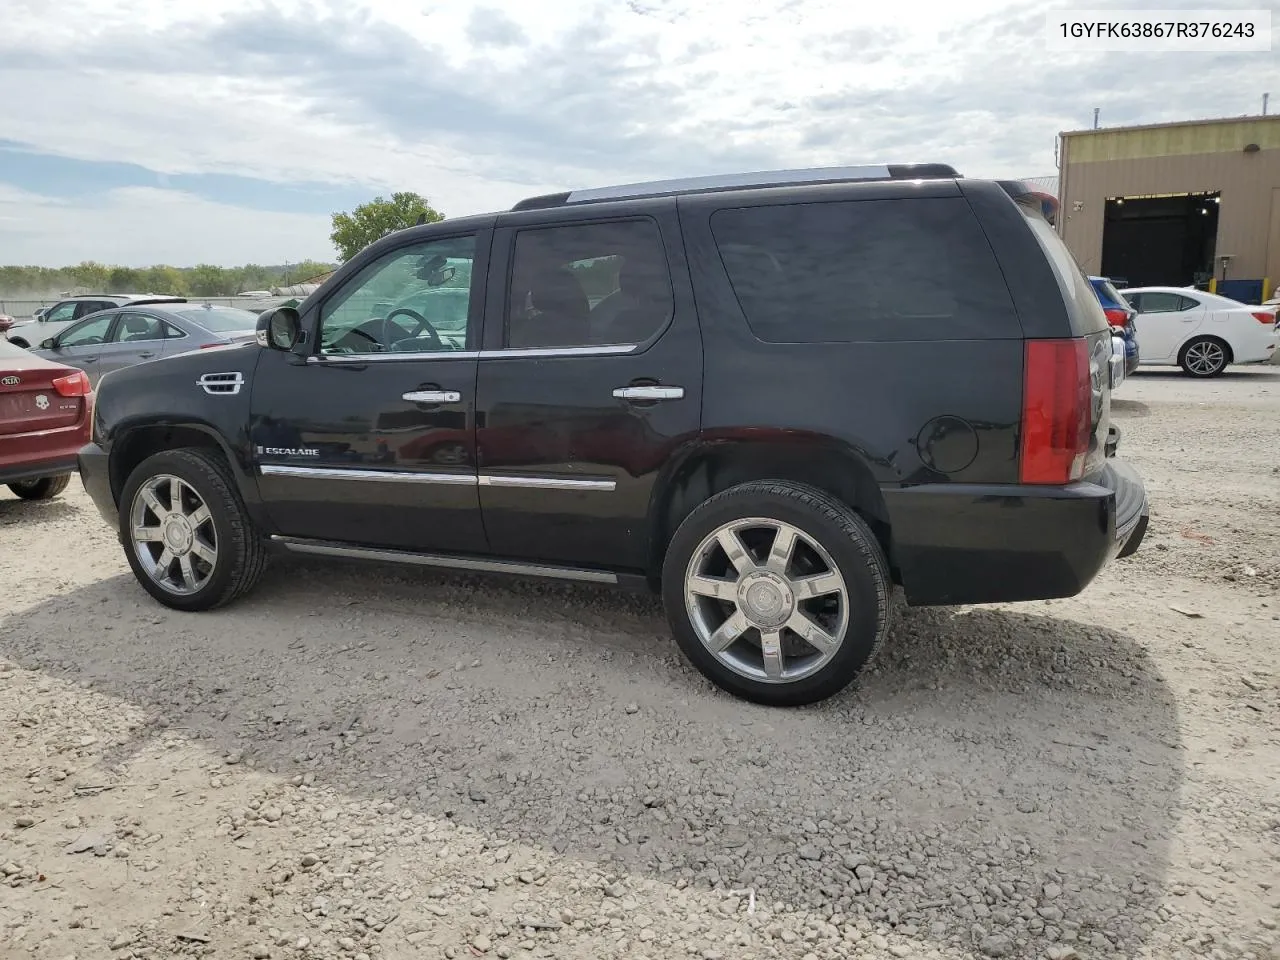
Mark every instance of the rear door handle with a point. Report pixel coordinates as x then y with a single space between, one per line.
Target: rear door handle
147 356
433 396
649 393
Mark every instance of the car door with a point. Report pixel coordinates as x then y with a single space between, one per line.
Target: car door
365 434
136 336
80 345
1165 321
590 379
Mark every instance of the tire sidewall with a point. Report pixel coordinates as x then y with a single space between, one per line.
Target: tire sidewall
200 477
865 577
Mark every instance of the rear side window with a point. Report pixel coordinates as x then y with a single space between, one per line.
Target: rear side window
1082 302
588 284
869 270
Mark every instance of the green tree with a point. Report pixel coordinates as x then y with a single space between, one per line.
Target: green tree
124 280
371 221
162 279
207 280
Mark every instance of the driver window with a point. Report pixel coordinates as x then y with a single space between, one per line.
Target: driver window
88 333
61 313
412 300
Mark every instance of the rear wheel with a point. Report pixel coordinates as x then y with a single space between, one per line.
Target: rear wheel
46 488
1204 357
778 593
186 532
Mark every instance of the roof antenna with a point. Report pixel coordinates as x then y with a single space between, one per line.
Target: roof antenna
422 218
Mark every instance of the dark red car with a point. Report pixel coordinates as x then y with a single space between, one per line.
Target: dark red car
46 412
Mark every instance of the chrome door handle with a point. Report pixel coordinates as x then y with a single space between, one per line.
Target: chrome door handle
649 393
433 396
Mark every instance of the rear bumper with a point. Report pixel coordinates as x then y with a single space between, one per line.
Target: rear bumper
96 475
995 544
21 472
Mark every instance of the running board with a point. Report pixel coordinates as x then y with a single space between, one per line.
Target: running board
516 568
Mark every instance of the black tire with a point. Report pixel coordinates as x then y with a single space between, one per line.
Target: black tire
241 553
46 488
19 342
1191 359
848 542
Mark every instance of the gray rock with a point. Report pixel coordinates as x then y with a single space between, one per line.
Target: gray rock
996 947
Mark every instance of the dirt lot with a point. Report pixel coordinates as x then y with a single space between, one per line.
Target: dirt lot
357 762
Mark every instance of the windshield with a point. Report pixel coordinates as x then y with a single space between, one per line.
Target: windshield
220 319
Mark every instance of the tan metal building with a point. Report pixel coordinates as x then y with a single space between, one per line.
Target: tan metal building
1175 203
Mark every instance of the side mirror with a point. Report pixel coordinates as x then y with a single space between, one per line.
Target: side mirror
279 328
50 344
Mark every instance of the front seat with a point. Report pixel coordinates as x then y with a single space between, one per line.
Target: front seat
559 316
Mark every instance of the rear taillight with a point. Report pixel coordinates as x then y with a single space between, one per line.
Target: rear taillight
75 385
1056 395
1116 317
1263 317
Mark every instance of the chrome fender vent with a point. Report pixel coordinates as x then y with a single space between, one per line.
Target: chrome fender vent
219 384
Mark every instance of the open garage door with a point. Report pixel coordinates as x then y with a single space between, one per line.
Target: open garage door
1164 240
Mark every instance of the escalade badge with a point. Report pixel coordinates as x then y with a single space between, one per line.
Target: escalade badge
11 381
288 451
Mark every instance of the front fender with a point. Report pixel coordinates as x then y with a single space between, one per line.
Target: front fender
166 395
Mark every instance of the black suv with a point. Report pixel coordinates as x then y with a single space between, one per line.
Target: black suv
770 397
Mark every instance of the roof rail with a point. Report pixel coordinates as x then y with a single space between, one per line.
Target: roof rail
743 181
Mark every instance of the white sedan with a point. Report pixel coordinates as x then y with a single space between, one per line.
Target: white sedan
1200 332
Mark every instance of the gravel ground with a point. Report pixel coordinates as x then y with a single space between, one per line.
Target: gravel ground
362 762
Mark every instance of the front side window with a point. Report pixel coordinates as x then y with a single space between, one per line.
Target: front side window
137 327
869 270
89 333
588 284
416 299
61 313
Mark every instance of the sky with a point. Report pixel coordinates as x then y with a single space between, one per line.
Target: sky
227 131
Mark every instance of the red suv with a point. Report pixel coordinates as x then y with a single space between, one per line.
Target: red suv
46 412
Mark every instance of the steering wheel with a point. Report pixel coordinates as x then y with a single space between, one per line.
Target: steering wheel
424 329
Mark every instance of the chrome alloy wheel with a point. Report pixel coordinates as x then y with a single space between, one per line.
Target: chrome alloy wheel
172 534
766 600
1206 357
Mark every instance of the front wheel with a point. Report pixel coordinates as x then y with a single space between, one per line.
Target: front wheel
46 488
1204 357
777 592
186 533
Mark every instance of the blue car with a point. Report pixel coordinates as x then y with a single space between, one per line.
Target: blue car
1120 315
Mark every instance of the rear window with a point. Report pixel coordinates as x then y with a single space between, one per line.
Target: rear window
220 319
1077 291
864 270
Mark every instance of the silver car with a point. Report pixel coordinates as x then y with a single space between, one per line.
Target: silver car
48 322
122 336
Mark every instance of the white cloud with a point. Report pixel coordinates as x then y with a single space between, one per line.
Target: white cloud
478 106
141 226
